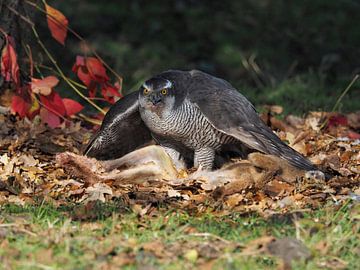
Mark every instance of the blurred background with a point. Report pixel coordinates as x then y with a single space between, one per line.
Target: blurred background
298 54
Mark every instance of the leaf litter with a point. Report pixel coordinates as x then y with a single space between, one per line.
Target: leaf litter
40 162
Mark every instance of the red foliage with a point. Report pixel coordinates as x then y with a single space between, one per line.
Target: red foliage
57 23
50 118
90 69
19 106
44 86
39 97
54 103
9 66
109 92
353 135
71 106
92 73
337 120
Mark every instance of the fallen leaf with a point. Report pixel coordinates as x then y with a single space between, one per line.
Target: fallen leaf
97 192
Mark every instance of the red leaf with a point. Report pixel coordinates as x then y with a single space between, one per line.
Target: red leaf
353 135
43 86
92 89
109 92
337 120
50 118
19 106
84 76
9 66
72 107
89 70
81 71
57 23
54 103
96 70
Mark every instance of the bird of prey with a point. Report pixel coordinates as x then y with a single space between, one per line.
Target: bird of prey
193 115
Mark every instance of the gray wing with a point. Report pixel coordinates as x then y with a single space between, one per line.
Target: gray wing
231 113
121 132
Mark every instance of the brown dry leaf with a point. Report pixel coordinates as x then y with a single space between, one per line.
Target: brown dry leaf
141 210
295 122
97 192
174 193
28 160
277 188
354 120
234 200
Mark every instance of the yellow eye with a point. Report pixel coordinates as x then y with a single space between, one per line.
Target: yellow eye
146 91
164 91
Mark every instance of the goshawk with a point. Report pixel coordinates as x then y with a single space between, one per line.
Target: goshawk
194 116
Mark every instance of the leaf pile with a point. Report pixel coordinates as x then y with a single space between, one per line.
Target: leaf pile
145 178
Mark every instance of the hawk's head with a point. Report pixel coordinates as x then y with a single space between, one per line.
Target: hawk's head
157 95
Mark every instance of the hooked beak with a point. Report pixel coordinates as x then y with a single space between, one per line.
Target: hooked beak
155 99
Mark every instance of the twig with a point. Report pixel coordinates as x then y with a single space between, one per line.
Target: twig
57 73
340 98
53 61
119 78
88 119
21 16
51 110
345 92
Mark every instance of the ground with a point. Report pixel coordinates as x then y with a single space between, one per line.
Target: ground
52 217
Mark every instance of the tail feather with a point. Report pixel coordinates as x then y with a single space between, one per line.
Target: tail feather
271 144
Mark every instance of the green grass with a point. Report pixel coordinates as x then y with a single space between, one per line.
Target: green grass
80 237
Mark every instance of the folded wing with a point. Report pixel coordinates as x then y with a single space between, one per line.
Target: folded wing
121 132
230 112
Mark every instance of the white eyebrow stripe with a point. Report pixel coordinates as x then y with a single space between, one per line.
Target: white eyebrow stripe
168 84
146 86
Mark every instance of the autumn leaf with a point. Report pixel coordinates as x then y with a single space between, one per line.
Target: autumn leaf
9 65
50 118
96 70
19 106
337 120
43 86
81 70
57 23
109 92
54 103
72 107
90 69
353 135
